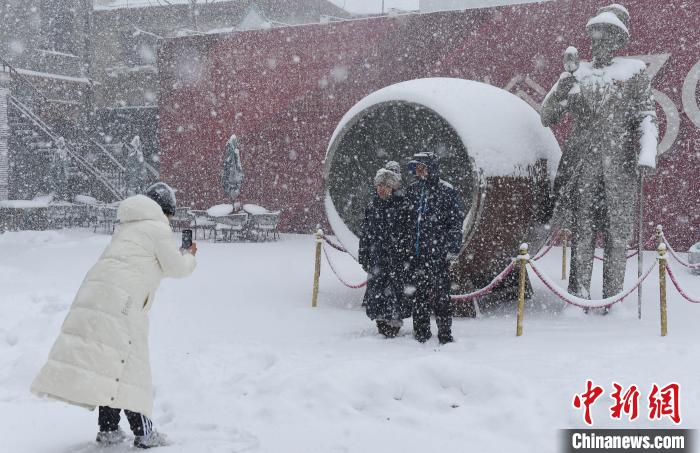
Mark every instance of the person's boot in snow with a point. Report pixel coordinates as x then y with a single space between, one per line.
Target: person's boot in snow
387 328
393 328
445 338
106 438
150 440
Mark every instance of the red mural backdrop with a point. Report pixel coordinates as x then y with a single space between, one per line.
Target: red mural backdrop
283 91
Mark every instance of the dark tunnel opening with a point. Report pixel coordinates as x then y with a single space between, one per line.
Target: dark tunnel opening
392 131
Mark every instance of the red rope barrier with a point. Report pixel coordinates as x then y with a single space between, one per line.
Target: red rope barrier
586 303
634 253
349 285
488 288
680 290
631 255
677 258
543 252
338 247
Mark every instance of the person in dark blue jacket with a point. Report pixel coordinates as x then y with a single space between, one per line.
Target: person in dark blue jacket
434 224
382 254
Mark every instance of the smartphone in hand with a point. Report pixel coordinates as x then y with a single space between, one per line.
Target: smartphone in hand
186 239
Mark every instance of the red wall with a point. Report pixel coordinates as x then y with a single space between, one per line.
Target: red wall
283 91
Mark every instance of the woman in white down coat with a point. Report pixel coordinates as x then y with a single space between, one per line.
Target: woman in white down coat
100 358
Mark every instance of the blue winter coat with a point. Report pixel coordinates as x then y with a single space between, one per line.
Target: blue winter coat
383 255
435 217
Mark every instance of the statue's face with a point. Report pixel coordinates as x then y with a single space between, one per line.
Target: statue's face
604 43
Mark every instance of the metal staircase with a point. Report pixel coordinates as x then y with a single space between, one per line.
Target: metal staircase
33 144
100 172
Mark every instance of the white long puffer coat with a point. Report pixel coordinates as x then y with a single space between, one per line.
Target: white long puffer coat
100 358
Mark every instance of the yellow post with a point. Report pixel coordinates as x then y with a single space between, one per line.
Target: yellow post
317 269
523 258
662 288
564 238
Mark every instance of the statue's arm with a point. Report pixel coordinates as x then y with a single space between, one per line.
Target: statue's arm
646 122
554 107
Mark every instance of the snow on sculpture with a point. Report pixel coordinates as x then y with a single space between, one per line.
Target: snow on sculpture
500 132
613 140
136 172
492 149
232 175
59 171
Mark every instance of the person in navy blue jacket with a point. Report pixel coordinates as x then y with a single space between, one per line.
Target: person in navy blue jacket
435 214
382 254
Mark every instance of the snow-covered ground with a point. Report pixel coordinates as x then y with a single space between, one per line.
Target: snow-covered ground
241 362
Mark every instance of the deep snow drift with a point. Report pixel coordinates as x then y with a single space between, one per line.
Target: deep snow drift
241 362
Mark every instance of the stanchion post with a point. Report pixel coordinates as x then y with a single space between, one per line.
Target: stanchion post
523 258
317 269
564 243
662 288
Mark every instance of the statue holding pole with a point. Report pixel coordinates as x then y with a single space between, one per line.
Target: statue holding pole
611 146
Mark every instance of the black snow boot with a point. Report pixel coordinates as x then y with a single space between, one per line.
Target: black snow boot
386 329
445 338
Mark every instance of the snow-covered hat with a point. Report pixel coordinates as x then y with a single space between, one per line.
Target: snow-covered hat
164 195
428 159
614 19
394 166
388 178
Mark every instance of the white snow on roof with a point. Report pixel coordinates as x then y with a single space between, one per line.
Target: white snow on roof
608 18
452 5
375 6
49 75
102 5
500 131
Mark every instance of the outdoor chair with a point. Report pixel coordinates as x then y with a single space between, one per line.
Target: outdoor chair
79 215
182 219
106 217
230 226
85 211
264 225
200 221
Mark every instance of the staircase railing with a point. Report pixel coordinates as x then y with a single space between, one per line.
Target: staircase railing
7 67
151 169
78 134
72 153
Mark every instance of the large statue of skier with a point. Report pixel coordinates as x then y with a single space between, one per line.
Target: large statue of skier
613 141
